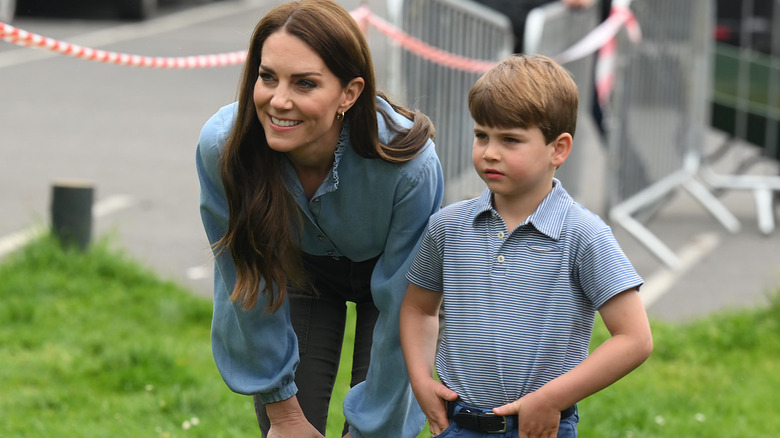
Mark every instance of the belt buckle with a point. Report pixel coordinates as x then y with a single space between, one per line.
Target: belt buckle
503 422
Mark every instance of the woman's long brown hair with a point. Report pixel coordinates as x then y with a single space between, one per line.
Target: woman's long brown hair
264 221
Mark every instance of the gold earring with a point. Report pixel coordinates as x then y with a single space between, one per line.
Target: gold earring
340 116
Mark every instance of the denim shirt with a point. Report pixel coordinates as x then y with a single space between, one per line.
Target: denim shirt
365 208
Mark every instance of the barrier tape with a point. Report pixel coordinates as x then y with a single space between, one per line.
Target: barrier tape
420 48
620 15
592 42
28 39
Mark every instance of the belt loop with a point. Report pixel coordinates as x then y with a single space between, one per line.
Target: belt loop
450 408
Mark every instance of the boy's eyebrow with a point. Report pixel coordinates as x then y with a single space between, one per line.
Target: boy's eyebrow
295 75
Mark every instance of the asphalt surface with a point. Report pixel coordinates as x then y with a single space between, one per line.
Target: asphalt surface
132 132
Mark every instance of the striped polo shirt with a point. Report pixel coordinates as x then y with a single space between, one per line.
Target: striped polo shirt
519 307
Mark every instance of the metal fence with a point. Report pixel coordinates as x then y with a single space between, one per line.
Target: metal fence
746 99
462 28
658 117
550 30
471 30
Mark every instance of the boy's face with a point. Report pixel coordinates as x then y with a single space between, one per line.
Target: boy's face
517 162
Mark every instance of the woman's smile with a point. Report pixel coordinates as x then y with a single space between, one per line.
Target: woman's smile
284 123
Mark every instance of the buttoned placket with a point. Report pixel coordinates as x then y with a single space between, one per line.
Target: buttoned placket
328 247
499 234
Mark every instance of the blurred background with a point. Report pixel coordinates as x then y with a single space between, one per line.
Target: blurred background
681 159
677 147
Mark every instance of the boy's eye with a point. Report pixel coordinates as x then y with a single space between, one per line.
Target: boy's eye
511 140
480 135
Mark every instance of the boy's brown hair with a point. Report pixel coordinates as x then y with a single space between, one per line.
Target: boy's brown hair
524 91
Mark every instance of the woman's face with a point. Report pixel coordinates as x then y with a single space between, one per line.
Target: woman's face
297 98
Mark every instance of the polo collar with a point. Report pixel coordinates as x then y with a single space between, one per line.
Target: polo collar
548 217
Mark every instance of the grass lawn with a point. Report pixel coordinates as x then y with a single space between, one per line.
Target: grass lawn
92 345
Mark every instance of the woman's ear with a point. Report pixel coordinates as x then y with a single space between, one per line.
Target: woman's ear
561 149
351 93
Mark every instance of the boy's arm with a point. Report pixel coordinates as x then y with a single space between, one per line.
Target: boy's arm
629 345
419 326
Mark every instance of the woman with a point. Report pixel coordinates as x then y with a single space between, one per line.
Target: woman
314 192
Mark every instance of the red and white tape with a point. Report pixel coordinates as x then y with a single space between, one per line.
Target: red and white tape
28 39
363 15
420 48
620 15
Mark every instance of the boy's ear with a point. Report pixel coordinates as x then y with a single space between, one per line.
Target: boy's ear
561 149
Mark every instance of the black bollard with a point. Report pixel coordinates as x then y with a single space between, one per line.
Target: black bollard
71 212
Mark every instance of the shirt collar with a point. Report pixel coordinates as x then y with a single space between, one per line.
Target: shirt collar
548 217
331 183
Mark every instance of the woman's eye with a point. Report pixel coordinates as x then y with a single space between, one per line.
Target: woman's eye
265 77
305 83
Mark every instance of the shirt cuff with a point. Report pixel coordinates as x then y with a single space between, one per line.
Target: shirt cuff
278 395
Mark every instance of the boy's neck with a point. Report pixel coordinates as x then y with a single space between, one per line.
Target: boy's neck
515 209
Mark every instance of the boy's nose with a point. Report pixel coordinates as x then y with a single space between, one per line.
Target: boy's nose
490 153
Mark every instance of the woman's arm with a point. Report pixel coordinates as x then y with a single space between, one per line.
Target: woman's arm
256 352
384 405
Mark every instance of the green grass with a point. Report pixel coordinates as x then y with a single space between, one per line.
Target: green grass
93 345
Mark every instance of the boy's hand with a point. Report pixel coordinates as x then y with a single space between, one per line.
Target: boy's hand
431 395
535 418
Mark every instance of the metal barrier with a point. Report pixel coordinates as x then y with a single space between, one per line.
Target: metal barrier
659 116
746 101
462 28
550 30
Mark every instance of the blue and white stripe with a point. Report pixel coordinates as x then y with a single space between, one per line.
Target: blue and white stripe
519 306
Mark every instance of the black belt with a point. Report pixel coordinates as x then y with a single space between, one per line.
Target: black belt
488 422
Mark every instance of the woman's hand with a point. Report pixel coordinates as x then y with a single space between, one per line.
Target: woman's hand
299 430
288 421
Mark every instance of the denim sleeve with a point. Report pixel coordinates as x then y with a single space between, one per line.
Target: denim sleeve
384 406
256 352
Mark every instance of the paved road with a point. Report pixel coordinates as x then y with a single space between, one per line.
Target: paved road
132 132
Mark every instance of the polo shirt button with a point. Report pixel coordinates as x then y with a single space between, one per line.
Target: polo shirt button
317 200
500 234
500 259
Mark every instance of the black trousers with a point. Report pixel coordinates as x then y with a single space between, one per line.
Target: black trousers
318 316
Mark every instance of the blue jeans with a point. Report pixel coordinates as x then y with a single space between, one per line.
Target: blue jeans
567 429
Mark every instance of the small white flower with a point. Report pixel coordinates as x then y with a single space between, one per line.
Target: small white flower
700 417
186 425
659 420
149 388
195 421
629 434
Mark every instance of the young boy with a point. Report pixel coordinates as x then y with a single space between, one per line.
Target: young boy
521 270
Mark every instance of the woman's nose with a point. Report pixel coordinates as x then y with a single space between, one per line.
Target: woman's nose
281 98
